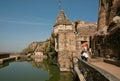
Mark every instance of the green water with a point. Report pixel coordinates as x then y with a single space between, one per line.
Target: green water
33 71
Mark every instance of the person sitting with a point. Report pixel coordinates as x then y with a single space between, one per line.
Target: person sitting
84 56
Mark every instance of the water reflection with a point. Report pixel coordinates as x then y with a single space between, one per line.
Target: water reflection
37 69
53 70
22 71
38 59
4 65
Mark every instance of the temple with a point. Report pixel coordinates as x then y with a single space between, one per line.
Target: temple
71 38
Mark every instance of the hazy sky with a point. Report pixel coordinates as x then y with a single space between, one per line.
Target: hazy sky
25 21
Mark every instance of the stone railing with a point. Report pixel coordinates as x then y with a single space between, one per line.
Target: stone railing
93 73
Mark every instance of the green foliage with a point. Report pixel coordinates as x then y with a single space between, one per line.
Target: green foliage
46 49
49 49
28 50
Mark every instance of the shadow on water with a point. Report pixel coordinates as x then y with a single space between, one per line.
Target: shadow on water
37 69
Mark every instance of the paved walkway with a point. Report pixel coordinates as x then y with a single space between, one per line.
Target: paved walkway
112 69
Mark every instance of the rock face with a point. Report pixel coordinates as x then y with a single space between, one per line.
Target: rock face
108 31
107 10
35 47
70 39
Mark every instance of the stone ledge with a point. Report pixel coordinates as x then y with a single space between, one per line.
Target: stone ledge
79 74
110 61
7 59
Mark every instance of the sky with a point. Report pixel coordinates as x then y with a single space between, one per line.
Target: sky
25 21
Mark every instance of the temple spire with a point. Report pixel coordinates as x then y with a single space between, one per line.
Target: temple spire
61 19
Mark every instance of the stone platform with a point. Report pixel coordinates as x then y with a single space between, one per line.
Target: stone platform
3 60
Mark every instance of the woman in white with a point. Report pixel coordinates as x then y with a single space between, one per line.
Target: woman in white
85 55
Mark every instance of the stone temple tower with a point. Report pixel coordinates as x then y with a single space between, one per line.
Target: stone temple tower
65 43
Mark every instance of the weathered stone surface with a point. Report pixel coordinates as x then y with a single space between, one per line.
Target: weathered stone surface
107 10
61 19
86 28
107 36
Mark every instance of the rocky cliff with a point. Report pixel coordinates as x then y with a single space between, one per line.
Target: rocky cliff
47 47
108 9
36 46
108 29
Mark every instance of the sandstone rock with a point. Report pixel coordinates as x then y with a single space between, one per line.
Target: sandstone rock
116 19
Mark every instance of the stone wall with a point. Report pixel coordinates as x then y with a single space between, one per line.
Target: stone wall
67 49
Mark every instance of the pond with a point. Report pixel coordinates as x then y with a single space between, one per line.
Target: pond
33 70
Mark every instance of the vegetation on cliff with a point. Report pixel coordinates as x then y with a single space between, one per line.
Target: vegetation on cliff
47 47
27 50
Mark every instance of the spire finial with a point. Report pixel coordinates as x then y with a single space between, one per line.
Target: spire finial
60 5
